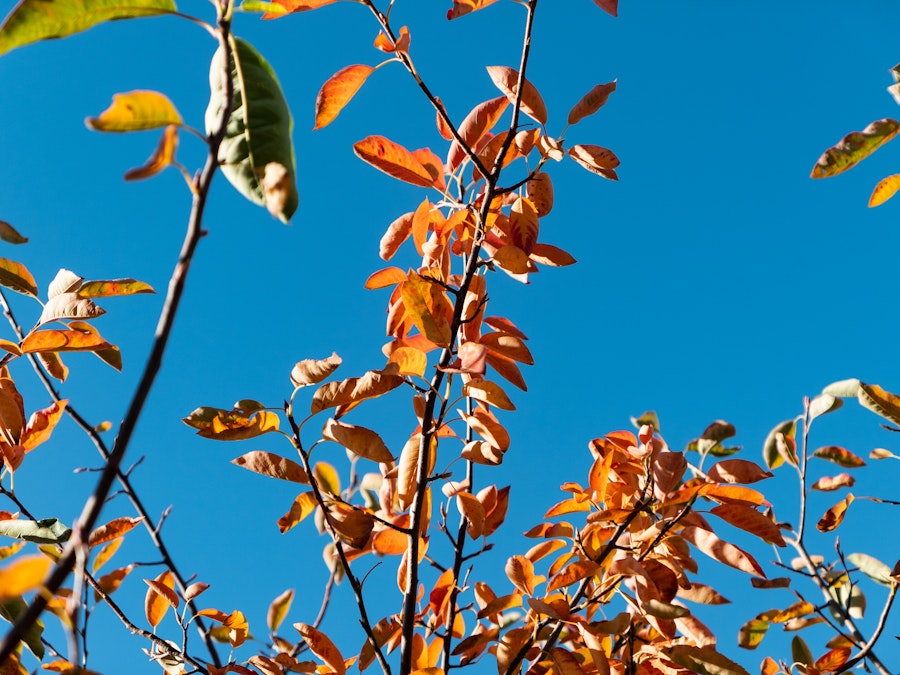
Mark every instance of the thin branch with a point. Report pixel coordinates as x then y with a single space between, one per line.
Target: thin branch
94 504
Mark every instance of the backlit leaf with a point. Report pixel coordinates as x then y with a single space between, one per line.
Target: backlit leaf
393 159
321 646
752 633
463 7
113 287
473 511
358 440
855 147
545 254
22 575
520 571
873 568
835 515
591 102
337 92
410 361
396 234
272 465
879 401
389 46
831 661
313 371
523 225
751 520
771 454
429 308
797 610
34 20
136 111
16 277
843 388
41 424
831 483
259 127
231 425
354 389
477 123
539 191
159 598
737 471
389 276
704 661
488 392
62 341
840 456
112 530
721 550
291 6
303 506
596 159
507 80
162 156
823 404
886 188
703 594
70 306
279 609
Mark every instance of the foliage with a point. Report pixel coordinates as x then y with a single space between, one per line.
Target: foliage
606 584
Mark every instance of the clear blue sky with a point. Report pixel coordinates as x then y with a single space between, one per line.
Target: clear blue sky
715 279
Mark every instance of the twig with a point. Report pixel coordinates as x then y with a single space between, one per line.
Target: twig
94 504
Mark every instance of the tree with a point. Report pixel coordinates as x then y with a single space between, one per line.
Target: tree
608 597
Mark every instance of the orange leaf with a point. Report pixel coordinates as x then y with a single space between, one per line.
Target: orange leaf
429 308
396 234
393 159
297 6
488 392
833 660
313 371
474 127
113 287
353 390
886 188
750 520
595 159
463 7
407 477
358 440
507 369
507 81
508 346
737 471
385 44
41 424
321 646
524 225
576 571
720 550
483 423
112 530
337 92
272 465
63 341
512 259
472 509
520 571
162 156
835 515
389 276
159 597
592 101
303 505
609 6
840 456
109 583
410 361
540 192
23 575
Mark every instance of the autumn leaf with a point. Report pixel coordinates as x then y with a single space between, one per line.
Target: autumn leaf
609 6
160 596
15 276
291 6
591 102
321 646
162 157
886 188
41 424
720 550
835 515
737 471
34 20
507 81
831 483
477 123
397 232
840 456
303 506
62 341
11 235
539 191
313 371
520 571
272 465
855 147
488 392
354 389
113 287
595 159
429 308
463 7
337 92
389 46
136 111
393 159
358 440
279 609
22 575
546 254
112 530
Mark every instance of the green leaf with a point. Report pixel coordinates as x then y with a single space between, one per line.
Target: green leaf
46 531
843 388
873 568
35 20
257 153
15 276
752 633
800 652
823 404
265 7
11 609
855 147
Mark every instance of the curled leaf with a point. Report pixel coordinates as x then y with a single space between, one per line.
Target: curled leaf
855 147
136 111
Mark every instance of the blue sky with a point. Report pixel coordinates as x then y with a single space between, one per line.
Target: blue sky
715 279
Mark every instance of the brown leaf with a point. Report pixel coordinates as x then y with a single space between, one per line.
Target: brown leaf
507 80
545 254
337 92
840 456
352 390
609 6
835 515
272 465
737 471
720 550
750 520
596 159
592 101
393 159
831 483
358 440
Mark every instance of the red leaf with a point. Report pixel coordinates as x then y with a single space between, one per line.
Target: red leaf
337 92
393 159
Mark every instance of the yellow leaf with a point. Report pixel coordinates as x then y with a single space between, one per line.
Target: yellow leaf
321 646
488 392
429 308
410 361
136 111
23 575
303 505
337 92
855 147
886 188
113 287
279 609
162 156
